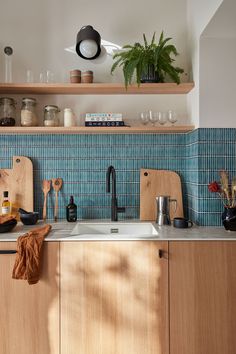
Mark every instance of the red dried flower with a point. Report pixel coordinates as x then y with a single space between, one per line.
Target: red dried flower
214 187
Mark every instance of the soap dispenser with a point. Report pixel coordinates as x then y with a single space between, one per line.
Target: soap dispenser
71 210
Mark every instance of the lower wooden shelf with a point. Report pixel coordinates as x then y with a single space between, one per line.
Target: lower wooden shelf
98 130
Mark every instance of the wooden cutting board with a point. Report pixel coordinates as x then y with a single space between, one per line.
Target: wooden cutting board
159 182
18 181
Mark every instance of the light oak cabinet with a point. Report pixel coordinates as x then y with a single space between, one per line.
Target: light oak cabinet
114 298
122 298
29 314
202 297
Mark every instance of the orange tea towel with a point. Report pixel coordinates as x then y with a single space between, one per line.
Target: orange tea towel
28 254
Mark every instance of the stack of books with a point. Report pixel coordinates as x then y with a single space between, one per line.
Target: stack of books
104 120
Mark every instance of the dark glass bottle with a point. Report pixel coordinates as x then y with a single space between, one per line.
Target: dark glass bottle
71 210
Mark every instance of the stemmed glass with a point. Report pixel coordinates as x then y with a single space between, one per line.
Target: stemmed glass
153 117
172 117
162 118
144 117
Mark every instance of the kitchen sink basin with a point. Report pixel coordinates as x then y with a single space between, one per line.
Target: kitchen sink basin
113 229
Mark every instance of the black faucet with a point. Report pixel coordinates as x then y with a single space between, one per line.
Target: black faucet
114 207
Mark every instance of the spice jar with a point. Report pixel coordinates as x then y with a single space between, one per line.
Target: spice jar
28 112
69 118
51 116
7 111
87 77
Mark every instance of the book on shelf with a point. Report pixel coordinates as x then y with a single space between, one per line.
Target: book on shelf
105 124
94 117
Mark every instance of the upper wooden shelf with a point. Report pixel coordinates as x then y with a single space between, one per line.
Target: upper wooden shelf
95 89
98 130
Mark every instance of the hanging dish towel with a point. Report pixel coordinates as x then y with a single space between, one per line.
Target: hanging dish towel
28 254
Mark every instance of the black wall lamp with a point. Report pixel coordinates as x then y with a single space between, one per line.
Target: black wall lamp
88 43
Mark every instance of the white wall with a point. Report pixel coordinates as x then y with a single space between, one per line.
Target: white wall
39 31
217 74
218 83
199 13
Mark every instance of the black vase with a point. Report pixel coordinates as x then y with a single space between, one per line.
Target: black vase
150 75
229 218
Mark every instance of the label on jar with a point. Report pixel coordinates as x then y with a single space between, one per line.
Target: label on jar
5 210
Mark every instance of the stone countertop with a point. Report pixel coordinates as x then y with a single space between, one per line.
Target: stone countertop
62 229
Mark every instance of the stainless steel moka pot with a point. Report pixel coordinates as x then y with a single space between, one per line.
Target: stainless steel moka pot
163 209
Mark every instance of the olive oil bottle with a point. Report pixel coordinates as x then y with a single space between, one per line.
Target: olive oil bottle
71 211
6 205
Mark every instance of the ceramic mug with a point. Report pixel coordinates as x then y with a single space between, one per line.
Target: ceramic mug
182 223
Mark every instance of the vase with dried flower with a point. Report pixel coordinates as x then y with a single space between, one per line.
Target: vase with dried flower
227 193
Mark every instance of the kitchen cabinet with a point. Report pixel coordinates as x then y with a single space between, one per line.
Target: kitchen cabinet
29 320
114 297
202 297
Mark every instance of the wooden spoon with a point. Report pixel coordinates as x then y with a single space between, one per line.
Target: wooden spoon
46 186
56 184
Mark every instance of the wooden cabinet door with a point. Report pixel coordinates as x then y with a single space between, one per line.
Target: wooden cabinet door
29 314
114 298
202 297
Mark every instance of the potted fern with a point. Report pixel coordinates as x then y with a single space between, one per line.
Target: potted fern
150 62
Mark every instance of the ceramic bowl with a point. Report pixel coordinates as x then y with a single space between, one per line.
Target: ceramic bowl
8 226
29 218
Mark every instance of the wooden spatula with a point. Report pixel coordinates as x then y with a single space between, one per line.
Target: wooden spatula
56 184
46 186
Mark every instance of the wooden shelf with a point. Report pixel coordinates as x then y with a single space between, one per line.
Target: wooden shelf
95 89
97 130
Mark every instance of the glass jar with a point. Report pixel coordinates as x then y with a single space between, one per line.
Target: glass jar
28 112
51 116
7 112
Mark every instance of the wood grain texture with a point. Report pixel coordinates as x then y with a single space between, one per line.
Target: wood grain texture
98 130
159 182
29 321
114 298
18 181
95 88
202 297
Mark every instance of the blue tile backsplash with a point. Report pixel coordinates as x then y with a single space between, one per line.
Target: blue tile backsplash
82 161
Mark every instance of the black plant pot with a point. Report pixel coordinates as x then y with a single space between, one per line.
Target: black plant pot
229 219
150 76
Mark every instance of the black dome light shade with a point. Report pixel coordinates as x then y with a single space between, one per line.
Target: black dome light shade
88 43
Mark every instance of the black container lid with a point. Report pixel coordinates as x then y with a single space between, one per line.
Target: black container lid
5 194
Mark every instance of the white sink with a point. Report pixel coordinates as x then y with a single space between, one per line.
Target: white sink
114 228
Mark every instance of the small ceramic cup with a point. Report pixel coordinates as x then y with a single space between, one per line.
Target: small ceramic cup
87 77
182 223
75 76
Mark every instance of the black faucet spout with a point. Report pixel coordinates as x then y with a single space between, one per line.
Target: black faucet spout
114 204
111 172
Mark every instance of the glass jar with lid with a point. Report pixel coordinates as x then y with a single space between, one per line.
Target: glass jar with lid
51 116
7 112
28 112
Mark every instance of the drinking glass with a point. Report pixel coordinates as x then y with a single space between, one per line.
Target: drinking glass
162 118
144 117
172 117
153 117
29 76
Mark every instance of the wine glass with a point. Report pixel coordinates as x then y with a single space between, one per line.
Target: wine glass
153 117
162 118
172 117
144 117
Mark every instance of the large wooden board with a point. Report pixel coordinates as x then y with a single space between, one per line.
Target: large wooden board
159 182
18 181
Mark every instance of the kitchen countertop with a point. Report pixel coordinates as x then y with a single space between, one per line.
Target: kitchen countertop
62 229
